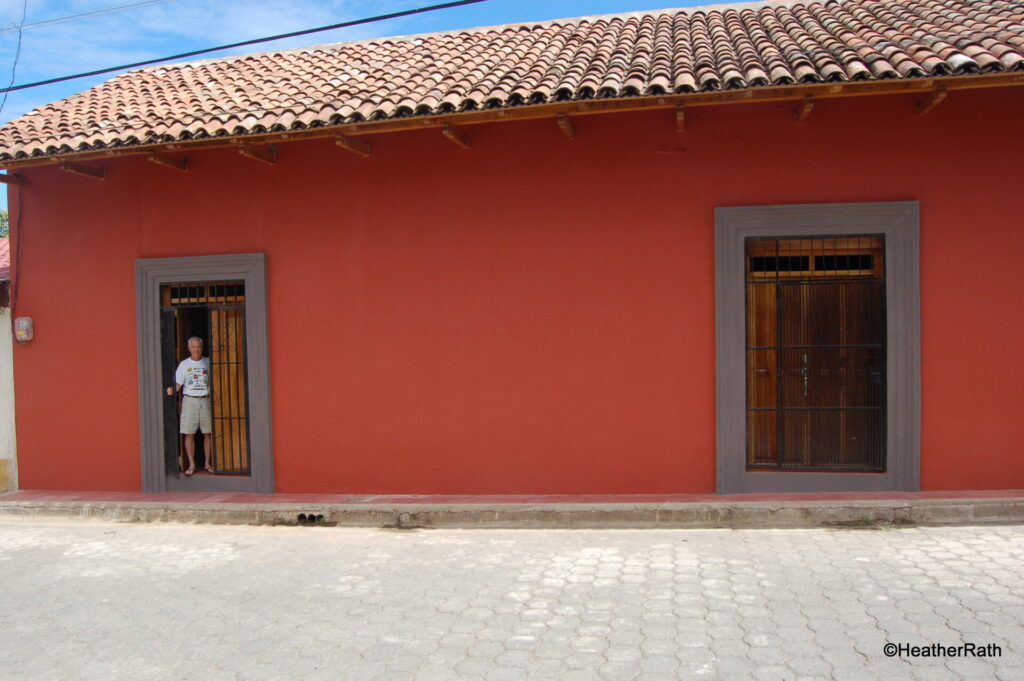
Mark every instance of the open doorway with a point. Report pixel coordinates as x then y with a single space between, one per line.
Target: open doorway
213 311
240 357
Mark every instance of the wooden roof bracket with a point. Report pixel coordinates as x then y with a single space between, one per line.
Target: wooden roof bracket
169 161
268 155
353 145
566 125
927 105
80 169
680 118
12 178
805 109
459 139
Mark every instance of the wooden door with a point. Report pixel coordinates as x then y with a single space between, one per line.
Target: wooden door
230 390
816 354
168 359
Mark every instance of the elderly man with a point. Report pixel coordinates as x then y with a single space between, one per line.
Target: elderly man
193 379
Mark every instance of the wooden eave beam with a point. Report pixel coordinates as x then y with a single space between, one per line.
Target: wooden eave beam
933 101
169 161
458 138
566 125
353 145
12 178
805 109
268 155
79 169
717 98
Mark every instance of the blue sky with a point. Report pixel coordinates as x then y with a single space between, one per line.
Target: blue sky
166 27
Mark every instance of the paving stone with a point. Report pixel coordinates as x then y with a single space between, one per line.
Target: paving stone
665 665
857 673
809 666
773 673
730 667
619 671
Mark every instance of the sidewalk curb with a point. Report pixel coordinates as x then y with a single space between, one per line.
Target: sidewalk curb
735 515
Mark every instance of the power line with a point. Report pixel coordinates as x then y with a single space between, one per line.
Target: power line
193 53
202 114
83 15
17 53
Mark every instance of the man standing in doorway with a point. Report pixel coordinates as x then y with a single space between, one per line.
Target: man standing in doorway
193 379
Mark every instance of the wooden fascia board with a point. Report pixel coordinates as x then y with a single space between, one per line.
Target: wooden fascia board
818 91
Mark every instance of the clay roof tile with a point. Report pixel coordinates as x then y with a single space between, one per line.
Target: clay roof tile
756 44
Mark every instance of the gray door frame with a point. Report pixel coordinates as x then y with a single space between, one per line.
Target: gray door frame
899 223
150 274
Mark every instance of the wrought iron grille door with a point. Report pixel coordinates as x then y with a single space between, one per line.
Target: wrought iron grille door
816 364
215 312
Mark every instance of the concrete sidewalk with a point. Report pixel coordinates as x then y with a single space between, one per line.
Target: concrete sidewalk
534 511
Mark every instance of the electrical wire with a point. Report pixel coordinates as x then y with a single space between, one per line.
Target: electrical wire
17 53
84 15
16 231
193 53
206 114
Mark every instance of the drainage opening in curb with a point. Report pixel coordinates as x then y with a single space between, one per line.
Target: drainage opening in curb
316 519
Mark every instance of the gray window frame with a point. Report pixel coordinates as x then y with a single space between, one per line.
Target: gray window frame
150 274
899 223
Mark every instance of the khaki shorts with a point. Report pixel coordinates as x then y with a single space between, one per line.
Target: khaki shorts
195 412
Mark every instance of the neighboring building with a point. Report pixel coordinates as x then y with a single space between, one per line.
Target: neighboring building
8 450
759 247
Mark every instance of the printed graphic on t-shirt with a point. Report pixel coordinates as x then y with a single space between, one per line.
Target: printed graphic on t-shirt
194 376
197 379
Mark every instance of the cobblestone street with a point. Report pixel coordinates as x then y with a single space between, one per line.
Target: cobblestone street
87 600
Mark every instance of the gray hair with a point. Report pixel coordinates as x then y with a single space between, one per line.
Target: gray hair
194 338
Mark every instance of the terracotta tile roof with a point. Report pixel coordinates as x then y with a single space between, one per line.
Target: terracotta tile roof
5 259
747 45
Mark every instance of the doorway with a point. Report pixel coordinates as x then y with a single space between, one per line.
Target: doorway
816 353
222 299
214 312
817 348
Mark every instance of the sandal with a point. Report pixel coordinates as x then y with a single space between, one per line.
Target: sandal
190 471
209 468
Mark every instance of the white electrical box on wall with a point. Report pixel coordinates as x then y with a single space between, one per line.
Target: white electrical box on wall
23 329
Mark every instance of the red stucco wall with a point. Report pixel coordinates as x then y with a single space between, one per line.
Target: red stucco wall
531 315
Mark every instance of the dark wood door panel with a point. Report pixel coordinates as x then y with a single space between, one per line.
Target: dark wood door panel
817 313
831 377
833 440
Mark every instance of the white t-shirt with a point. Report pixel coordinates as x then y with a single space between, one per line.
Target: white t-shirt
194 376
